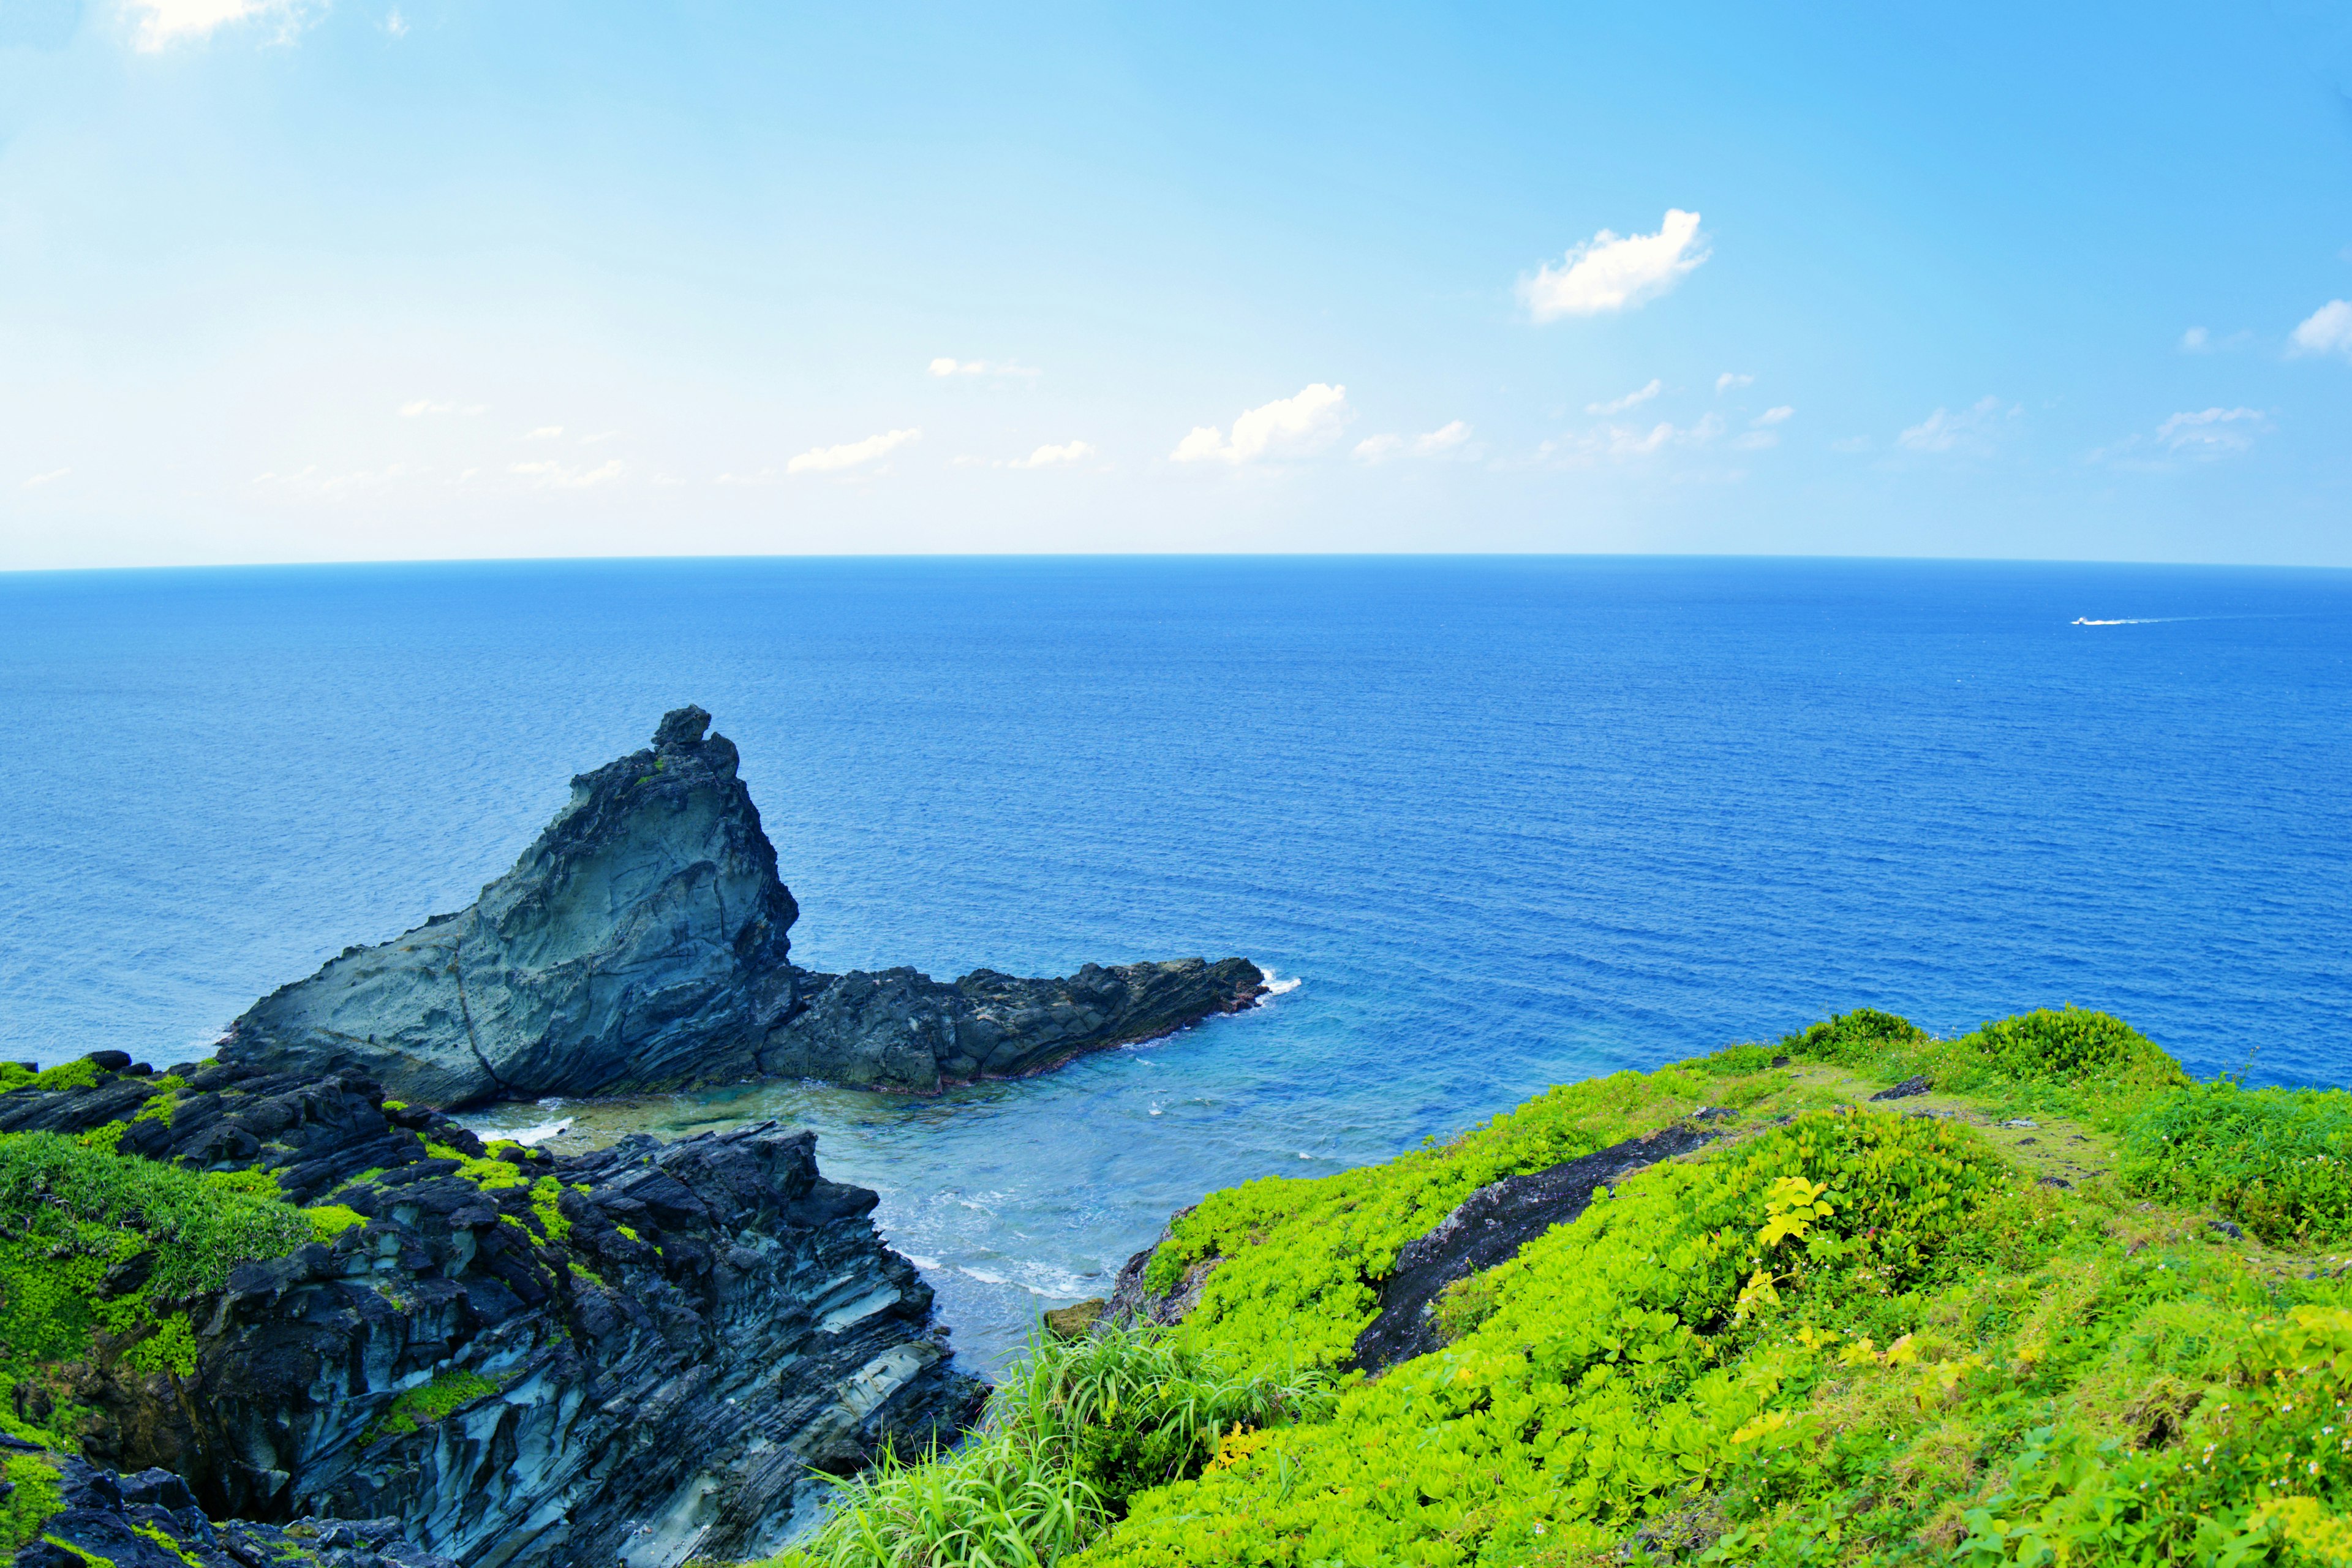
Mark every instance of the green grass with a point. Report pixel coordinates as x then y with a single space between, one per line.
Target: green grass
2277 1161
33 1496
1080 1428
71 1212
1851 1336
421 1407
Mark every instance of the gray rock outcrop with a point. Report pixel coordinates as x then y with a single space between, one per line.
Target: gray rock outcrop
634 1357
642 943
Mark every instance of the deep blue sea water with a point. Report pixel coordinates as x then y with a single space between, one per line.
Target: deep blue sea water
1509 821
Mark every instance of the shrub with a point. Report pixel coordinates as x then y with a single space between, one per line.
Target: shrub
1605 1385
1300 1258
1079 1427
70 1214
423 1405
2277 1161
2074 1047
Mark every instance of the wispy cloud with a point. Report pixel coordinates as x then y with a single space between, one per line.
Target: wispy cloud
395 24
1971 431
550 474
1633 399
544 433
418 408
945 366
1288 427
161 22
2326 331
2211 432
1068 454
310 483
52 477
850 454
1448 440
1731 379
1760 433
2199 435
1629 443
1612 272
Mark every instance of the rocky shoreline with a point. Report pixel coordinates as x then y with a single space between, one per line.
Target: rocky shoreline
639 1355
642 943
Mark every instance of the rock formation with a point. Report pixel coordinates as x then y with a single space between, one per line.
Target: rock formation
641 943
638 1355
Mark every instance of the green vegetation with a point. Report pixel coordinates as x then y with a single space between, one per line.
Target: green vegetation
71 1214
426 1404
489 1172
2277 1161
77 1074
1085 1425
32 1498
545 1194
1843 1333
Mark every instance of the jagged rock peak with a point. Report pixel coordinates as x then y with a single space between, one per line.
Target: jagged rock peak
643 936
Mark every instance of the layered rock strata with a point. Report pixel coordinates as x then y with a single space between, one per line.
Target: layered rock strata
642 943
634 1356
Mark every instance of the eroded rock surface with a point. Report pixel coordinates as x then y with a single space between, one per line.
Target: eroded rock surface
642 943
647 1349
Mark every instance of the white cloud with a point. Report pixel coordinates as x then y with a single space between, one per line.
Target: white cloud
1287 427
1852 444
850 454
164 22
311 483
1760 434
1447 440
2327 330
1621 443
2193 341
396 25
2212 433
555 475
1970 430
1613 272
1631 399
418 408
945 366
1068 454
544 433
743 481
1730 379
52 477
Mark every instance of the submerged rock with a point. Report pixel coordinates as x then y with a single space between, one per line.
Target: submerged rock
641 943
638 1355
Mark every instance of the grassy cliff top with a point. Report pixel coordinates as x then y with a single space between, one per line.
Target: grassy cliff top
2056 1304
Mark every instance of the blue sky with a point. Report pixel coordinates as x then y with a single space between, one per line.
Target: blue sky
288 280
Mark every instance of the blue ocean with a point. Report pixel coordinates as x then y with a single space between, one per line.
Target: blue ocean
1494 823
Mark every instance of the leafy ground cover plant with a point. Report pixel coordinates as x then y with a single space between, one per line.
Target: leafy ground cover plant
92 1241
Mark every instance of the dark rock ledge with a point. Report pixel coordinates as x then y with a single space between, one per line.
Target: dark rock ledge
655 1344
641 943
1484 1229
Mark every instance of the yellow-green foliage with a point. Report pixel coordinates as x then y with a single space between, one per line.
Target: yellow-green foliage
545 1194
1299 1257
32 1498
1854 1338
329 1221
69 1213
1608 1382
488 1172
162 1539
80 1073
423 1405
2071 1060
159 1104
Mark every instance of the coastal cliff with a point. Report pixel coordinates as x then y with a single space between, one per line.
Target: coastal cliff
635 1355
642 942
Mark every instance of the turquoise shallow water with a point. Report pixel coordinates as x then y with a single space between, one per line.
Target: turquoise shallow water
1508 823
